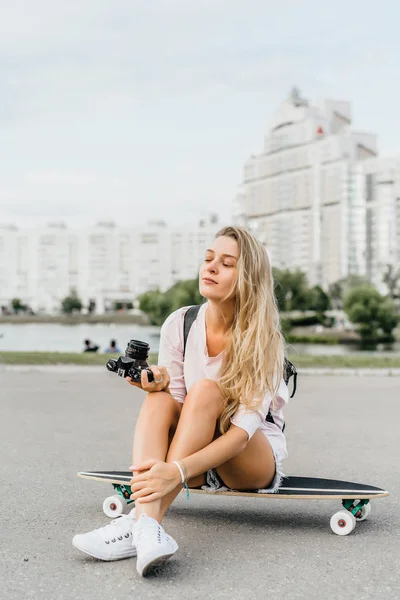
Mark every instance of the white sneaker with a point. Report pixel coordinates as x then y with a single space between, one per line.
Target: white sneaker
153 545
112 542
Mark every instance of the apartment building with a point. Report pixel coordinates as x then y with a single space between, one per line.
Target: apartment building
105 263
304 194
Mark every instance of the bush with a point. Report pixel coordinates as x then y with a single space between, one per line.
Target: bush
374 314
122 305
307 320
311 339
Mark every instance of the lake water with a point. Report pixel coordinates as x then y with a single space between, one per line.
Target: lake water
52 337
339 350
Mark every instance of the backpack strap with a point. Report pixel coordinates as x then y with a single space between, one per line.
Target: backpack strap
189 319
270 419
289 370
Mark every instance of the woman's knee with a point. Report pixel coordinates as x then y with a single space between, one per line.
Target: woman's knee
161 405
205 394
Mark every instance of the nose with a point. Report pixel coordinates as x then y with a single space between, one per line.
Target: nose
212 267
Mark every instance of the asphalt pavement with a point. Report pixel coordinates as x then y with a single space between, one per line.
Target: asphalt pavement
57 422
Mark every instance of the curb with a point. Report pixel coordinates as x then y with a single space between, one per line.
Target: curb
53 368
352 372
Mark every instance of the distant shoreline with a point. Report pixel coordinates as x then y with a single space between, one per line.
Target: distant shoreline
113 318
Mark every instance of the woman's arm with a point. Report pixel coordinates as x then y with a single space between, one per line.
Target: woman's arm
217 452
155 478
170 354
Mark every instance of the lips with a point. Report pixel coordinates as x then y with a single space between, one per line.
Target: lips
208 280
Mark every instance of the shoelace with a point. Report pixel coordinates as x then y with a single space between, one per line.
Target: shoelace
118 528
151 527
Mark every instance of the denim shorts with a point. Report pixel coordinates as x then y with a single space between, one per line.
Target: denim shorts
215 483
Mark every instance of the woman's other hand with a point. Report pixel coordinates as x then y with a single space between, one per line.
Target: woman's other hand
153 479
161 380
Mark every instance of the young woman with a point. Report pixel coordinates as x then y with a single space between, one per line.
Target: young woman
203 420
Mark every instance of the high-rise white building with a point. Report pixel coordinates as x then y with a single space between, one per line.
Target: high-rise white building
187 246
304 194
104 263
381 180
9 263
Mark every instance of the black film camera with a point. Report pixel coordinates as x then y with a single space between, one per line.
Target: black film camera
133 363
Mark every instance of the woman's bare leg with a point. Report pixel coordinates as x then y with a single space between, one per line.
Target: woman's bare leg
254 468
194 425
195 430
158 419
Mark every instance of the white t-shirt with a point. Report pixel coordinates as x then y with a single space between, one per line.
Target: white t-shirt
198 365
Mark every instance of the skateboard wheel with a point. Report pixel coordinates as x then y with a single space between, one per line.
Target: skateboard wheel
365 512
343 522
114 506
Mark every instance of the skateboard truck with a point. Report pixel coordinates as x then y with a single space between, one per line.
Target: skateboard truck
358 508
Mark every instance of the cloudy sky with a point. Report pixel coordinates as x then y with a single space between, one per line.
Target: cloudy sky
130 109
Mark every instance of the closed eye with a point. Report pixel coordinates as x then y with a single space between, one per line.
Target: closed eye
224 264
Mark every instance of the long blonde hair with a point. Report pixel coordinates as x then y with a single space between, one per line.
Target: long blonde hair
254 352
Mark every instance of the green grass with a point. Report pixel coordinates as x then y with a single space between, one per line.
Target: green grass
59 358
351 361
312 339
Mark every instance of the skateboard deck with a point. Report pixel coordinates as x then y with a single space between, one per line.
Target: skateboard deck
355 496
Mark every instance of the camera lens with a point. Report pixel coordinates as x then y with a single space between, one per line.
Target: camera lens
112 365
137 350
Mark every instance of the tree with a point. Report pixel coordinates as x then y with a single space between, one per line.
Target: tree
291 290
184 293
335 292
391 277
157 305
374 314
71 303
125 305
388 320
339 289
320 301
18 306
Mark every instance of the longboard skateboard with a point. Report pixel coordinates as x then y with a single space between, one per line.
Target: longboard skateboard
355 496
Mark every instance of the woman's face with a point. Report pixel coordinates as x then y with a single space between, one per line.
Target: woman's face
218 272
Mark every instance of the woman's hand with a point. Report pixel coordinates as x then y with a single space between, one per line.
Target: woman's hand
154 479
161 380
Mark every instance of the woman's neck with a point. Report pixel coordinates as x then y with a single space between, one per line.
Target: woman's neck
219 317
